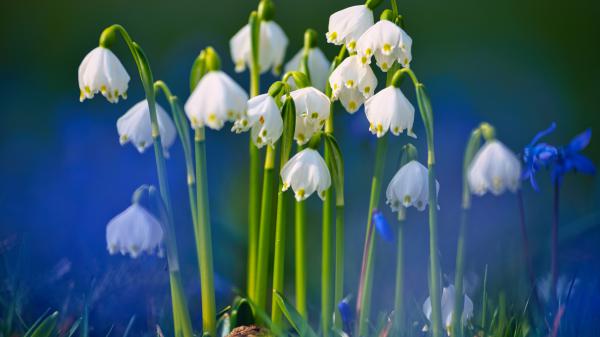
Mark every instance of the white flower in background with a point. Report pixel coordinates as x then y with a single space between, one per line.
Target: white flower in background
565 287
352 83
312 110
409 187
133 232
135 127
448 307
318 67
347 25
273 43
494 168
101 71
264 118
387 42
390 110
306 172
216 99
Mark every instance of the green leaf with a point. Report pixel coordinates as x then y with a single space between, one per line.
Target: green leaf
293 316
224 325
289 122
241 313
74 328
263 317
44 329
336 166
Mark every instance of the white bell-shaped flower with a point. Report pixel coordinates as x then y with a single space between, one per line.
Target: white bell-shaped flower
448 297
135 127
347 25
352 83
306 172
101 71
273 43
387 42
133 232
264 118
312 110
409 187
494 168
216 99
318 67
390 110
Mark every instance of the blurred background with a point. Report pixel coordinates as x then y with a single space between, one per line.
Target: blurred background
63 175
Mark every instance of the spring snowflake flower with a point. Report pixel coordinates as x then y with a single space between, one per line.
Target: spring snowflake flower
318 67
494 168
312 110
448 295
387 42
134 126
352 83
409 187
306 172
273 43
101 71
133 232
216 99
347 25
390 110
264 118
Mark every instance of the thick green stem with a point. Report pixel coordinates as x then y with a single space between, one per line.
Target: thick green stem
183 325
399 296
339 262
326 267
300 256
204 237
279 260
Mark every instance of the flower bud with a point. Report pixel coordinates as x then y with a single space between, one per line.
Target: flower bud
266 10
310 38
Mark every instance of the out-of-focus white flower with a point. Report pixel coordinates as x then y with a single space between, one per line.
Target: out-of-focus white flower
352 83
390 110
133 232
387 42
312 110
494 168
273 43
318 67
264 118
409 187
135 127
101 71
448 295
306 172
347 25
565 287
216 99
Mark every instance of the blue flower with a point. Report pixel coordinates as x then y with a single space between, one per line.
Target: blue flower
346 313
382 226
538 155
569 159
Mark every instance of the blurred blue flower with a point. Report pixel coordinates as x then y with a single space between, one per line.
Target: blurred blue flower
569 159
346 313
536 156
382 226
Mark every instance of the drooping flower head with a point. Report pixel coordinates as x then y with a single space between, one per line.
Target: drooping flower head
569 158
264 118
382 226
135 127
273 43
495 169
133 232
312 110
215 100
387 42
352 83
390 110
409 187
318 67
347 25
538 155
448 295
306 172
101 71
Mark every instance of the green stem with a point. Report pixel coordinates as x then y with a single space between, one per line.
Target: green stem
182 323
458 281
300 246
339 262
204 238
326 259
399 298
279 261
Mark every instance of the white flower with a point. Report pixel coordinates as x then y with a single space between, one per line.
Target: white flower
134 231
494 168
215 100
318 67
101 71
312 110
388 42
306 172
347 25
352 83
273 43
448 307
264 118
390 110
565 287
135 127
409 187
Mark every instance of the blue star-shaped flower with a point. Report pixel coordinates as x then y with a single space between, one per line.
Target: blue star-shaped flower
538 155
569 158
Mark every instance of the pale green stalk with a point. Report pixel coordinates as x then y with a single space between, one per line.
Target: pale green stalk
399 297
300 257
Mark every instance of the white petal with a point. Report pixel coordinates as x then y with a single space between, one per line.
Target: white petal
306 172
494 168
347 25
133 232
135 127
318 67
101 71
